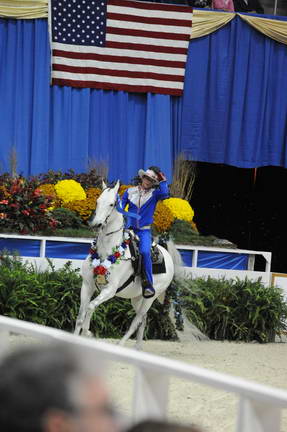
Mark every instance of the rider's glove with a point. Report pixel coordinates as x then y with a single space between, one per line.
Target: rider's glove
161 176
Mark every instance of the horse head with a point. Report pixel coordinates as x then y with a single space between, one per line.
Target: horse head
106 204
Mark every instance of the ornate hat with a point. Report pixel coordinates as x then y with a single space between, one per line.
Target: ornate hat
150 174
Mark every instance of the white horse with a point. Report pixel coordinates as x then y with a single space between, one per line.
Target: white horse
110 235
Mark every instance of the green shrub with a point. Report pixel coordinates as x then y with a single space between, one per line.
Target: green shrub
67 218
234 309
52 298
90 179
182 232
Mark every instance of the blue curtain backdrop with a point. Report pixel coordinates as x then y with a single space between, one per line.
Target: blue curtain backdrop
234 108
235 98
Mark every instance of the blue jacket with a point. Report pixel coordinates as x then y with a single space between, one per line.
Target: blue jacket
143 203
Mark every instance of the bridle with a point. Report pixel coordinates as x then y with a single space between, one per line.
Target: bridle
106 220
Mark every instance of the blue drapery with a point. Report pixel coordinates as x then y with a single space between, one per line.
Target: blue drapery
235 98
233 111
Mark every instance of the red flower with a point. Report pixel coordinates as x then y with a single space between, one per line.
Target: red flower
4 202
42 206
53 223
25 212
117 254
37 192
14 205
100 270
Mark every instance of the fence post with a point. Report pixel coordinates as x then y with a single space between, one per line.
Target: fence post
4 342
150 395
255 416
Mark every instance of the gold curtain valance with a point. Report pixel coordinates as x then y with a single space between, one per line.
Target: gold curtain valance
204 22
22 9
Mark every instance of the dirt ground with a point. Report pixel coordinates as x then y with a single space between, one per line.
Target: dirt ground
213 410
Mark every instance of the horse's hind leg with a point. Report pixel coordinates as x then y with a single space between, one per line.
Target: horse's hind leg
87 291
138 320
136 304
140 333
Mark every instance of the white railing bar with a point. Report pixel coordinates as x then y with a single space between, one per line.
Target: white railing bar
221 249
267 255
154 363
62 239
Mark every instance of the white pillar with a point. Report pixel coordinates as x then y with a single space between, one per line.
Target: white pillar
255 416
150 395
4 342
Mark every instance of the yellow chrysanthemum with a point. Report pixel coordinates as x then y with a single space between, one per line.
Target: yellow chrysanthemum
180 208
69 190
163 217
85 207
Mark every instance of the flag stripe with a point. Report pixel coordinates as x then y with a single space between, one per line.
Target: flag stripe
122 49
59 56
146 40
165 13
146 34
149 27
117 79
151 6
147 48
116 73
148 20
115 86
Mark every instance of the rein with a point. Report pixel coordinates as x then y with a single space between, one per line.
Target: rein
112 232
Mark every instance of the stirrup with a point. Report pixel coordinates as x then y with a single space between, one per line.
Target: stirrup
148 292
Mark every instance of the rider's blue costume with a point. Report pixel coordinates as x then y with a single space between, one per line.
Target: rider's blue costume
143 202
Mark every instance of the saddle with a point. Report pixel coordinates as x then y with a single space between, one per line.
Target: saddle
158 263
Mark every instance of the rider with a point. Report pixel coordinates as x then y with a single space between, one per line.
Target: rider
142 200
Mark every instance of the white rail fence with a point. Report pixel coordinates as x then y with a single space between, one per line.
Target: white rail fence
40 260
259 406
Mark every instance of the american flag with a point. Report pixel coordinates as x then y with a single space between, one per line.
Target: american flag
119 44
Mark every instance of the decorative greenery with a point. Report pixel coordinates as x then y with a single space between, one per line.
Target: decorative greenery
92 178
234 309
67 218
23 208
57 190
52 298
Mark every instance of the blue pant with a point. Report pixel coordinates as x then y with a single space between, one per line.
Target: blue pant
144 247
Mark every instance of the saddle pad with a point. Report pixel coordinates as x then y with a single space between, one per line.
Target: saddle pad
159 268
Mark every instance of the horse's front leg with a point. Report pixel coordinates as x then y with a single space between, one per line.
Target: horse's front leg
106 294
87 290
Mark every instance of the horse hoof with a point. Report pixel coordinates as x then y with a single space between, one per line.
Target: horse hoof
87 333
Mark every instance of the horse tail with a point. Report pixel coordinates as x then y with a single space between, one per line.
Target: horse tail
177 262
176 258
